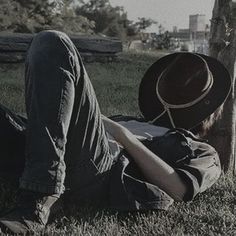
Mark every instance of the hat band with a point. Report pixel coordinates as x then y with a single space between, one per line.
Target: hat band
189 104
167 105
169 115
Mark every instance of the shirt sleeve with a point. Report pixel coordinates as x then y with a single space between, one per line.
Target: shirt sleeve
201 170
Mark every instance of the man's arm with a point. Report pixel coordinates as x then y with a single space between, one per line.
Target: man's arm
155 170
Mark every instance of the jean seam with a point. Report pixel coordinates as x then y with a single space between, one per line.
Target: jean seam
36 183
61 99
49 189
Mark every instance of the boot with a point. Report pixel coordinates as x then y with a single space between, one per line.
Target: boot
31 213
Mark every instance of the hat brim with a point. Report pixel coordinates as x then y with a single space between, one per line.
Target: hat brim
187 118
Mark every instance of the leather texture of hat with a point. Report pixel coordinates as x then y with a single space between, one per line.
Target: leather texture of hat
182 89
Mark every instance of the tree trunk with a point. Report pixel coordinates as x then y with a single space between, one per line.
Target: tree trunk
223 47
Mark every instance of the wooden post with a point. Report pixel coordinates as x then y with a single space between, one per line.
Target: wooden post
223 47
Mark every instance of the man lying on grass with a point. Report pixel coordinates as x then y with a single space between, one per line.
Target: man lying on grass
67 150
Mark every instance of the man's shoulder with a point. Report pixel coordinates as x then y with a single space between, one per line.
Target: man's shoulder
196 142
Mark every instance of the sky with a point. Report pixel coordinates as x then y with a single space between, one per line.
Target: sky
169 13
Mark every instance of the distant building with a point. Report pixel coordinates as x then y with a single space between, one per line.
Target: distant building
182 34
197 23
192 39
195 38
198 28
175 29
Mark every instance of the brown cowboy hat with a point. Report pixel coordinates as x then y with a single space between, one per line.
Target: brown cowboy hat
182 89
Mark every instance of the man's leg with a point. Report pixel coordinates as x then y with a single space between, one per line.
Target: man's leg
64 125
12 146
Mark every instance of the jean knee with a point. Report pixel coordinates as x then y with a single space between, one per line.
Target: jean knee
48 40
49 36
49 47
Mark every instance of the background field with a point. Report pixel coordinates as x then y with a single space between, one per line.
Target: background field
116 85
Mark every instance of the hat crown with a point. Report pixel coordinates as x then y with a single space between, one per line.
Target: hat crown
185 104
184 81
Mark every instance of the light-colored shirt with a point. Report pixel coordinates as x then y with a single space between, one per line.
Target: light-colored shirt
142 130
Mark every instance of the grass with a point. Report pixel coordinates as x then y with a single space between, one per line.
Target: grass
116 85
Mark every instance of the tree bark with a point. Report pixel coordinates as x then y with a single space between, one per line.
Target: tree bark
223 47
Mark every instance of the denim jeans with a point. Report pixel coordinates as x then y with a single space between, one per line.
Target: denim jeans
66 144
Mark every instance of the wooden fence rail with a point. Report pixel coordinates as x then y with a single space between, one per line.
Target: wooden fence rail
13 47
